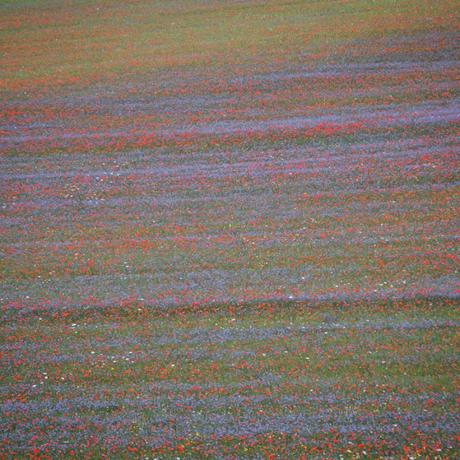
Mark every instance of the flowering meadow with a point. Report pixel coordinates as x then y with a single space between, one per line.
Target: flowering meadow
229 229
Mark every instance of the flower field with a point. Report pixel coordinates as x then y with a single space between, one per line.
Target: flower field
229 229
